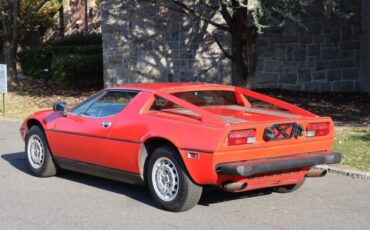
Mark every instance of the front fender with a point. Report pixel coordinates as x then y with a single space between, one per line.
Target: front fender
42 118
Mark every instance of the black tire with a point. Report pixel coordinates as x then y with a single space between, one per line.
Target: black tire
188 193
46 167
289 188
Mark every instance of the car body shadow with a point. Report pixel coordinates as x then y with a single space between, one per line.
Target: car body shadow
18 161
210 195
139 193
214 195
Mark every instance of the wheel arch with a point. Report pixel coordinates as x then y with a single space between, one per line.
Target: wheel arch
148 148
32 122
35 122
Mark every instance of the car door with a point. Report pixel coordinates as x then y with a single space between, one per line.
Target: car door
82 134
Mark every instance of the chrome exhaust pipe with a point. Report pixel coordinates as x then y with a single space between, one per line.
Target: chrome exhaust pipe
234 186
314 172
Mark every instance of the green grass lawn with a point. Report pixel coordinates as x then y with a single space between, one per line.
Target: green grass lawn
354 144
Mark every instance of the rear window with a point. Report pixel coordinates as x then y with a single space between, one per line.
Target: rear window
208 98
198 98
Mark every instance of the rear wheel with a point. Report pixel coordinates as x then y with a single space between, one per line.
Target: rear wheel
39 157
169 183
289 188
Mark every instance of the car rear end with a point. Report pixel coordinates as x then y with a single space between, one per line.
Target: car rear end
273 154
263 146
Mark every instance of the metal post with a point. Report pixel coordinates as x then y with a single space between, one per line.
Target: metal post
4 104
3 84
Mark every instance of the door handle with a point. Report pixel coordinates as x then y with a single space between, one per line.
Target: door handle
106 124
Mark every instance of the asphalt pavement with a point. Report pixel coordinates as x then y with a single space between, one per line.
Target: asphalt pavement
77 201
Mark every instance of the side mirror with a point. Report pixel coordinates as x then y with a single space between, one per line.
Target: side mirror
60 106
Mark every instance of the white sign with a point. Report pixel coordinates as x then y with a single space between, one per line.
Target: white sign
3 79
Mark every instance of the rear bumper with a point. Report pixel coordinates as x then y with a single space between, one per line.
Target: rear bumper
252 167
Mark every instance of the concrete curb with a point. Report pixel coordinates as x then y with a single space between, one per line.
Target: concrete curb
345 172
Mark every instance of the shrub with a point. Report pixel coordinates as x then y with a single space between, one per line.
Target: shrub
78 70
75 60
79 39
69 49
33 60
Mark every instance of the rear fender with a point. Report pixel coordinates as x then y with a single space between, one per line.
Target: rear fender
191 168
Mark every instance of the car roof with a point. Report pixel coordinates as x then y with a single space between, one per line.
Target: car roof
171 87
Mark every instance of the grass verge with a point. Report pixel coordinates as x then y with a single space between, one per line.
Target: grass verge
354 144
18 107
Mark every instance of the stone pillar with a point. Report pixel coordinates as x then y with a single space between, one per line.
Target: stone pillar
365 47
145 43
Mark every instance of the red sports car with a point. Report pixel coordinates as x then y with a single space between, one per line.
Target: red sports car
177 137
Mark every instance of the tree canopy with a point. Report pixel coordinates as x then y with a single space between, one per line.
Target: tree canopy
23 21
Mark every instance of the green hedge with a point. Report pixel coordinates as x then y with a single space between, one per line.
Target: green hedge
88 49
74 61
35 59
79 70
79 39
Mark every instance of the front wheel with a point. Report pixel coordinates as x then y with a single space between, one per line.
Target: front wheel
39 157
169 183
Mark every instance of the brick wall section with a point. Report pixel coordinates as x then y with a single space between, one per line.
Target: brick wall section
326 58
146 43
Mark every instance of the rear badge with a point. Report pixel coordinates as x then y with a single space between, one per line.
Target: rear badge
283 131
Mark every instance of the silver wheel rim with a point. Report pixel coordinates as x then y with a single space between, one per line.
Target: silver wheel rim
165 179
35 151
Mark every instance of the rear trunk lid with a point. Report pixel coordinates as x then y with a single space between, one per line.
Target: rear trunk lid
274 129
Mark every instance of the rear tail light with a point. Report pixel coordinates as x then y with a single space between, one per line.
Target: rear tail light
242 137
317 129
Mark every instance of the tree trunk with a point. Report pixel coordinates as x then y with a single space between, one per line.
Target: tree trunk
239 69
252 56
11 61
238 45
86 30
61 19
11 37
243 48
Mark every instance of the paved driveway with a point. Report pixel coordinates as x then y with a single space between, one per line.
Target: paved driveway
76 201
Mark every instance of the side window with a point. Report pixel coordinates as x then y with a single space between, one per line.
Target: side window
111 103
86 104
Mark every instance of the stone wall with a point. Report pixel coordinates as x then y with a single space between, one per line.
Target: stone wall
326 57
146 43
